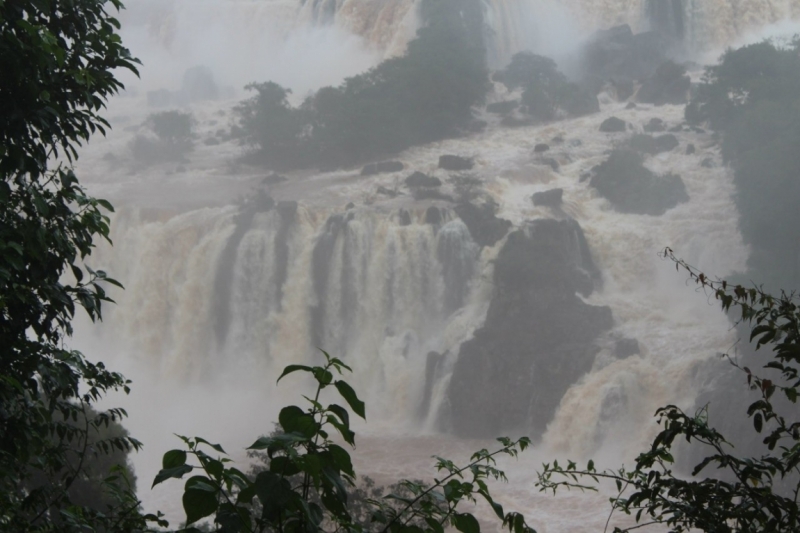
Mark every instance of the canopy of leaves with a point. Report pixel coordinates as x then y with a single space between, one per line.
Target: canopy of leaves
546 89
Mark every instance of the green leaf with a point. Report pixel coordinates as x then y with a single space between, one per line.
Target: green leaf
758 422
466 523
272 490
351 398
106 204
167 473
341 412
294 368
323 377
215 446
791 394
283 466
294 420
341 459
173 459
435 526
198 504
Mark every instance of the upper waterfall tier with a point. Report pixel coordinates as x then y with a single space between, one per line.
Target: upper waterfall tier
260 35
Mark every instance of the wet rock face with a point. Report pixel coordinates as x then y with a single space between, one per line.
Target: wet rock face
538 338
632 188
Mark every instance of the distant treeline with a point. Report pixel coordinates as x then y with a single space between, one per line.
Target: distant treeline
423 96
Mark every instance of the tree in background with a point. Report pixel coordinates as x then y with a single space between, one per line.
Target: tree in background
752 97
57 59
423 96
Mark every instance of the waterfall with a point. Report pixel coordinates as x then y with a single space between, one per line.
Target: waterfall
221 295
213 291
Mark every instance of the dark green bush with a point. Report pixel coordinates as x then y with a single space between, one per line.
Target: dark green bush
753 98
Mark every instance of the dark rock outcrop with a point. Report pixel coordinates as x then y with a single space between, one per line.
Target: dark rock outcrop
551 198
382 168
433 216
655 125
613 125
538 338
484 226
541 147
404 217
455 162
666 143
418 179
626 347
632 188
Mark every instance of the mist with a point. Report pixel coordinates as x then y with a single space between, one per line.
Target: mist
470 253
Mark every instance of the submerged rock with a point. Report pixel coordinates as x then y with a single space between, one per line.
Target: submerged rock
538 338
541 147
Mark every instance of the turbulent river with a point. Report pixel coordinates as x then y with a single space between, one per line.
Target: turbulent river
216 302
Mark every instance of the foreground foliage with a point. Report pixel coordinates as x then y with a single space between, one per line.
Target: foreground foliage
57 59
310 479
744 493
